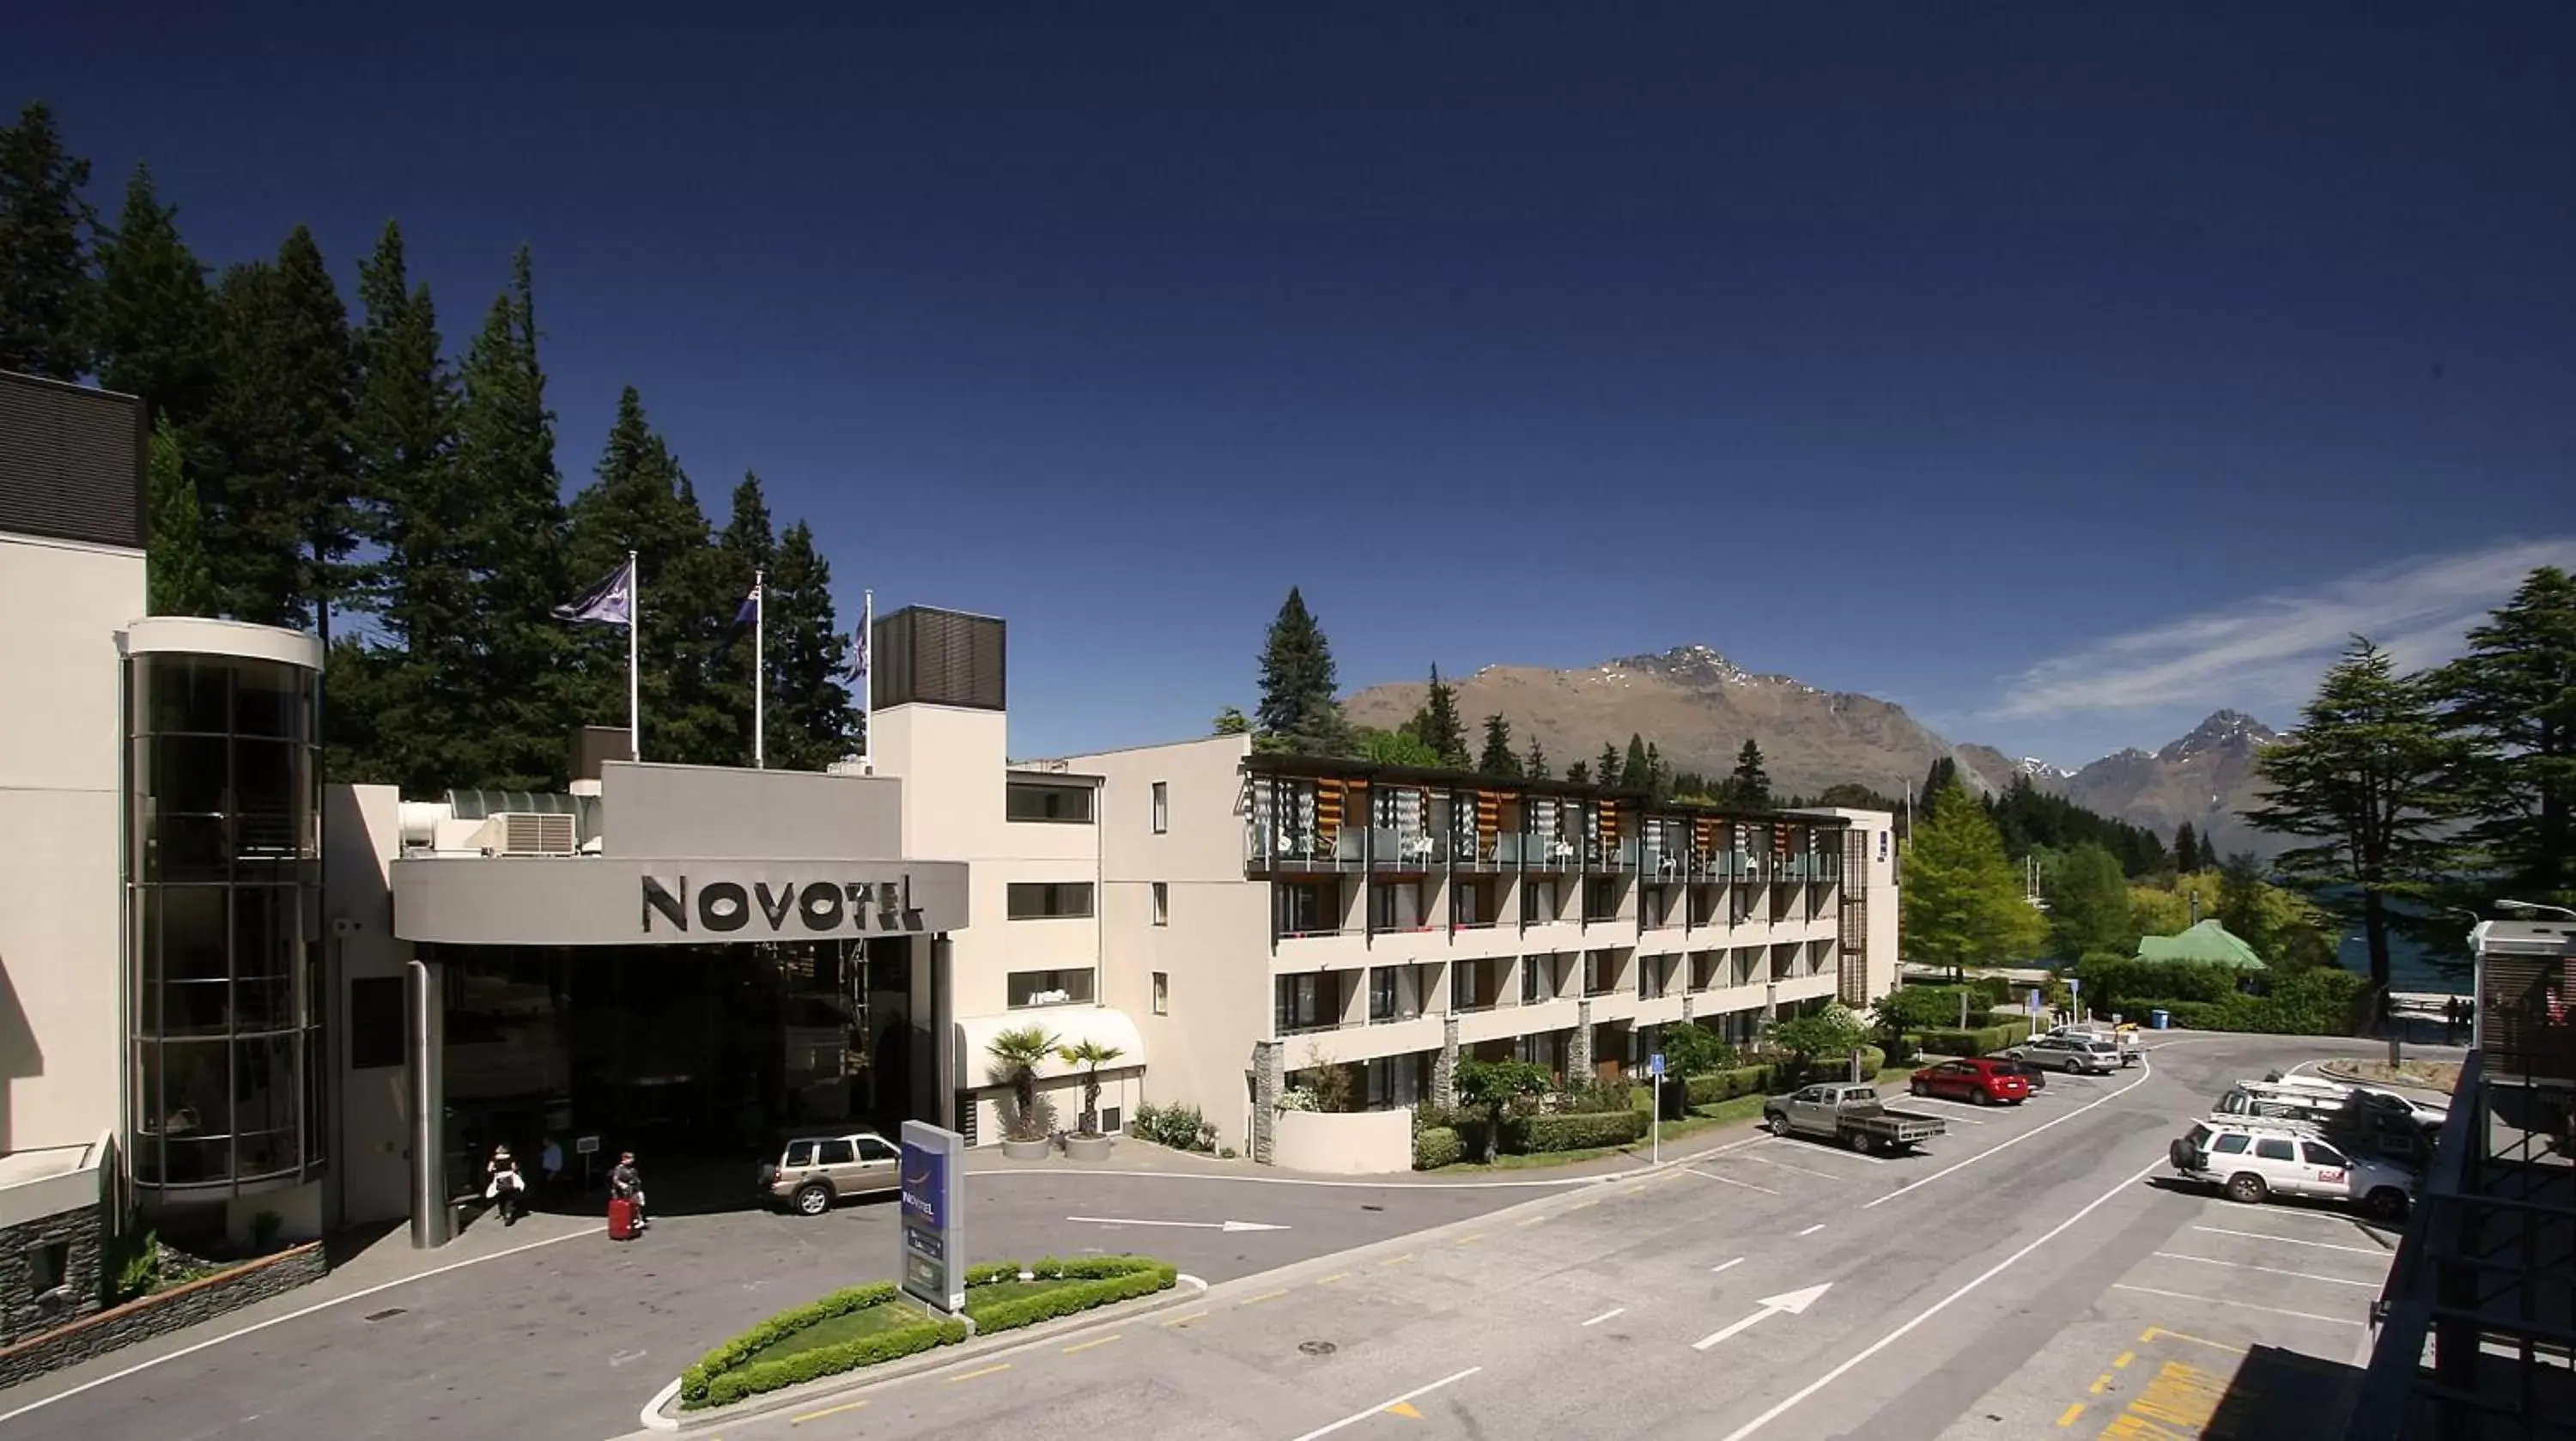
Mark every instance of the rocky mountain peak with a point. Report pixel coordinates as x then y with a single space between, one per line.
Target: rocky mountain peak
2224 729
1687 664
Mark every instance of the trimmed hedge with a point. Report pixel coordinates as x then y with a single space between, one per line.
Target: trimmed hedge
1582 1130
1982 1041
727 1374
1719 1086
1437 1146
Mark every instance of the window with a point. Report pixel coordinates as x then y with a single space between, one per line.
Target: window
1600 900
1384 910
1047 802
1377 1084
1162 903
1382 993
872 1149
1309 1002
375 1022
2273 1148
1162 993
2322 1155
1048 988
1467 906
1534 978
1538 902
1111 1121
1049 900
1162 807
1309 910
1467 986
48 1266
837 1153
2230 1146
799 1153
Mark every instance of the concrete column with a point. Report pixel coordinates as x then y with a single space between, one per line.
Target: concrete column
1578 1056
1444 1066
1269 1076
1689 1001
426 1098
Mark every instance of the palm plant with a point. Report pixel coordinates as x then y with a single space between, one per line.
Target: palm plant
1091 1056
1016 1054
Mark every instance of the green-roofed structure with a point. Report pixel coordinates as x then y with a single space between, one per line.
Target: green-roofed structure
2208 941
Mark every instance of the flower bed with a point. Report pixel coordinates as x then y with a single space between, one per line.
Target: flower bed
873 1324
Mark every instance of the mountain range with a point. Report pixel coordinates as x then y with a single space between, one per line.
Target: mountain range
1698 708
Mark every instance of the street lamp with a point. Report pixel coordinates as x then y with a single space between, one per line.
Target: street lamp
2526 906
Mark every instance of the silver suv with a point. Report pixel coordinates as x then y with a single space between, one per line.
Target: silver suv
2076 1055
812 1172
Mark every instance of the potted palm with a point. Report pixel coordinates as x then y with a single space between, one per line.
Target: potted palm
1086 1143
1017 1054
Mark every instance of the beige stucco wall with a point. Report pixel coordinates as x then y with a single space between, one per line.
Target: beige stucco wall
61 952
371 1113
1355 1143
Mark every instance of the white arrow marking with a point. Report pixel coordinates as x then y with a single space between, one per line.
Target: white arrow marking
1227 1226
1792 1302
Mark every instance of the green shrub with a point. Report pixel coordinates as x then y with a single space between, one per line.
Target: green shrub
1582 1130
1598 1095
723 1389
1094 1281
1982 1041
1180 1127
1435 1147
1729 1084
1692 1049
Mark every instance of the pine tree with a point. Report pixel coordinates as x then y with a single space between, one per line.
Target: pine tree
812 723
1942 777
525 694
1961 898
1298 710
1633 772
177 578
2510 706
2088 905
1579 773
1750 782
2241 904
2186 850
1659 772
747 548
156 317
1534 761
1497 758
1607 766
2361 783
47 294
1437 724
1231 721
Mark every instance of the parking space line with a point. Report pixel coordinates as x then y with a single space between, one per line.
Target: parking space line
2295 1241
1728 1180
2240 1305
1811 1230
2101 1383
1786 1166
1726 1265
2332 1218
2067 1418
2145 1070
1606 1315
826 1411
2270 1270
1406 1401
2122 1364
1948 1105
2149 1335
1087 1345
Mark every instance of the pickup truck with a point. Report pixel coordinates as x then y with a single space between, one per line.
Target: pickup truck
1849 1112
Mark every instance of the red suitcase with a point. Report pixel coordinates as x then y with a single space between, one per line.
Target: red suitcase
621 1219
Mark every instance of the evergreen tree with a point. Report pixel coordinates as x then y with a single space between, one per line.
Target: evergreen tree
1534 763
1751 783
1231 721
2510 706
156 317
1606 770
2241 907
1298 710
2088 905
46 291
1659 772
1579 773
1634 773
1437 723
177 578
747 548
1497 758
811 722
1961 898
524 694
2360 783
1943 777
2186 850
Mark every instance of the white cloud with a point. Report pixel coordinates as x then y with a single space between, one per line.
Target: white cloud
2264 654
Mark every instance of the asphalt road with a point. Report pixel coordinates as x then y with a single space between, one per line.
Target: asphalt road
2028 1278
566 1341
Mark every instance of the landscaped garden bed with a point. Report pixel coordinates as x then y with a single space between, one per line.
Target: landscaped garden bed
874 1324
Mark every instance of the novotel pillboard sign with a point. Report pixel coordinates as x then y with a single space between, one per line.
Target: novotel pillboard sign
763 909
934 1218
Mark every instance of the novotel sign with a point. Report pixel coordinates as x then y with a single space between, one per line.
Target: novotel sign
676 904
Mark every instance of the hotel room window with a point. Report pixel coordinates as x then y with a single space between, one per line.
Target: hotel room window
1162 807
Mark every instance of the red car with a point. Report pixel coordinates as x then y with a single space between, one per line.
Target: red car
1978 1081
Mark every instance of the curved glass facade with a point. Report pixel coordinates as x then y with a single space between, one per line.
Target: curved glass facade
226 1000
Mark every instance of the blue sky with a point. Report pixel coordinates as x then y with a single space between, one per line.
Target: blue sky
2064 373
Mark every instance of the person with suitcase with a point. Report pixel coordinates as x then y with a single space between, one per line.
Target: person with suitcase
626 1193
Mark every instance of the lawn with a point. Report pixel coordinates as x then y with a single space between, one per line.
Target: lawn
866 1321
1736 1112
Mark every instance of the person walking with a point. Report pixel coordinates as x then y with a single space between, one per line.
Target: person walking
504 1187
625 1183
550 1166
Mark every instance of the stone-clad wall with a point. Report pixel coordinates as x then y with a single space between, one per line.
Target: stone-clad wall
24 1312
161 1313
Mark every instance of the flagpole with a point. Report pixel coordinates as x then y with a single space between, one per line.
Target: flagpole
634 689
867 683
759 671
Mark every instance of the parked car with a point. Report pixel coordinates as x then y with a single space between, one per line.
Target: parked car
1849 1112
2122 1038
2253 1160
2074 1055
813 1172
1978 1081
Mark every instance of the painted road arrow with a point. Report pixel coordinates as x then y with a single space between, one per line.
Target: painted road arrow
1227 1226
1792 1302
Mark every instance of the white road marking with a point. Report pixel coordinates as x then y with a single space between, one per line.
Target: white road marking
2145 1069
1784 1406
1229 1227
2295 1241
139 1366
1059 1174
1947 1105
1794 1303
1728 1180
1357 1417
1726 1265
2269 1270
1785 1166
2241 1305
1811 1230
1606 1315
2331 1218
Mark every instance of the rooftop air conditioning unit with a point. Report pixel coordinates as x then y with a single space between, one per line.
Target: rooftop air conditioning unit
529 833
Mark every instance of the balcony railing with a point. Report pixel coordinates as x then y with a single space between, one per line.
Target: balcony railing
1309 934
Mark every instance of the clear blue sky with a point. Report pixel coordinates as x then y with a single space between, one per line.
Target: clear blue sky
2060 373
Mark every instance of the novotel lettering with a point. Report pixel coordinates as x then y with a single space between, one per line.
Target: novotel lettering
816 907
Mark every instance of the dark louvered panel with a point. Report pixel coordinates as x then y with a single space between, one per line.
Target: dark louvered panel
939 657
71 462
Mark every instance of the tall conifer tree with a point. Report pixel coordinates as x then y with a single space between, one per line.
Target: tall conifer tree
177 577
156 316
1751 783
812 723
1438 725
1299 710
1497 758
2510 703
47 293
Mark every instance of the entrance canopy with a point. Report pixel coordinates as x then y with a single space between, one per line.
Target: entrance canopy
617 901
1070 1025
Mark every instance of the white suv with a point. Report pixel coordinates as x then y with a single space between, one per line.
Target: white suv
2254 1161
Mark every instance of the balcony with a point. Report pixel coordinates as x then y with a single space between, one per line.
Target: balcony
1312 1002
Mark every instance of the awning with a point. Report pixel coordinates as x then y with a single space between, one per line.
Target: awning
1069 1025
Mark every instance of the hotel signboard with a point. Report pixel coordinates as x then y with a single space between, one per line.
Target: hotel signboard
933 1256
759 908
626 901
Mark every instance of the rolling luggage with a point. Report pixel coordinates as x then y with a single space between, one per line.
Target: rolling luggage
621 1219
